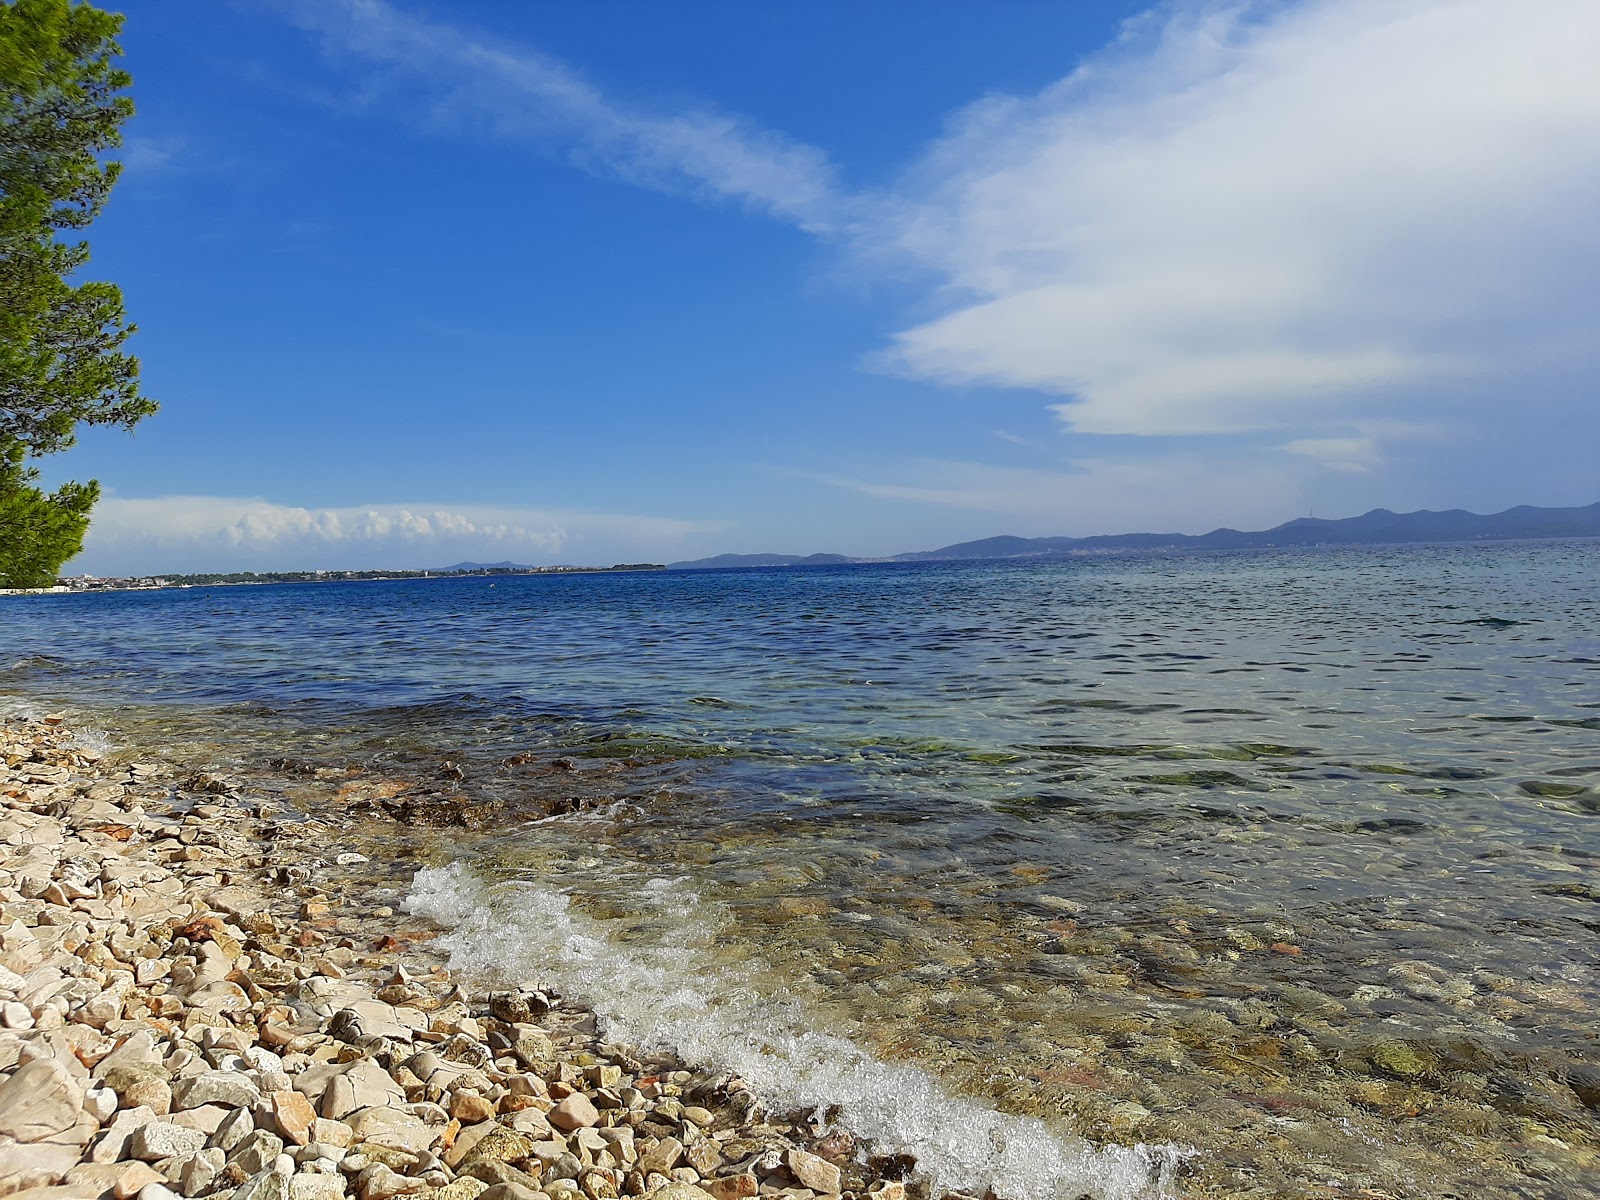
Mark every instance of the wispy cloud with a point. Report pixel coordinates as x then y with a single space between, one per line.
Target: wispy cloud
237 533
145 155
1101 495
476 82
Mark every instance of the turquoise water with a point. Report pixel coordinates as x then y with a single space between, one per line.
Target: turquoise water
1288 857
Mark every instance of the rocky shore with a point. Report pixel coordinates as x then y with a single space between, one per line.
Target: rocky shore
183 1014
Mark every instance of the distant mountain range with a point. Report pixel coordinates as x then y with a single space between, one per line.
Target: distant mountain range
1378 527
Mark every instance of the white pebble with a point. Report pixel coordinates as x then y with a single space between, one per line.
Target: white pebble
100 1103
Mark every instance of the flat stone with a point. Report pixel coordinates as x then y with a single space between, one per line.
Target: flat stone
661 1158
462 1189
257 1152
39 1101
508 1191
122 1179
294 1117
114 1141
469 1107
266 1184
156 1140
138 1049
227 1088
393 1128
379 1182
234 1129
207 1119
734 1187
196 1174
316 1187
489 1141
331 1133
681 1191
492 1172
363 1084
139 1085
40 1164
532 1045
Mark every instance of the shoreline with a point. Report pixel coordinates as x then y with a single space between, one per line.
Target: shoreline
88 585
188 1009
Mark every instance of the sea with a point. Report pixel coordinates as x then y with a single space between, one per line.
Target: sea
1259 873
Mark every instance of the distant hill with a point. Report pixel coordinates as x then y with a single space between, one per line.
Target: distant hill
472 566
1378 527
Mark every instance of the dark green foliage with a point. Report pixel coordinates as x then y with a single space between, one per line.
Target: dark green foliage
61 357
61 360
38 532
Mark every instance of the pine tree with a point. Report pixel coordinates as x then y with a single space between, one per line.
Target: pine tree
61 359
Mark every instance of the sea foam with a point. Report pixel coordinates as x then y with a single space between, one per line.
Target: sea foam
672 994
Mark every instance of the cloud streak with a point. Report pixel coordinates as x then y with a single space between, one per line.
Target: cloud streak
198 533
519 92
1100 495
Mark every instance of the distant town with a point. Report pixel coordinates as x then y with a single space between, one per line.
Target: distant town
109 583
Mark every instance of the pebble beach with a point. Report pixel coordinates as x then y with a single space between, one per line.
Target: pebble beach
184 1011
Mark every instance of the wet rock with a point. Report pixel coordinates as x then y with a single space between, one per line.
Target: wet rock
1401 1059
812 1171
1584 1080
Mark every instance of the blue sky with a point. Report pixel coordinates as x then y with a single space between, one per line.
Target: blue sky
423 281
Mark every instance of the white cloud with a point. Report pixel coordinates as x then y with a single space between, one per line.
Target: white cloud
517 91
1354 454
1271 216
197 533
1100 495
143 155
1333 222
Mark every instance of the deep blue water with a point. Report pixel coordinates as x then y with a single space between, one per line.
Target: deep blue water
1199 834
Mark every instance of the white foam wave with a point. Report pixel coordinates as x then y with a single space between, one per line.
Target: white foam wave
668 994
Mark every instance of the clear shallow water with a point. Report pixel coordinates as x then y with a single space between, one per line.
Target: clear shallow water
1290 857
